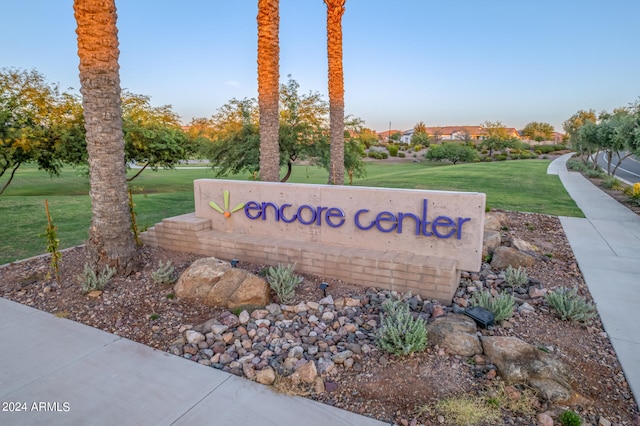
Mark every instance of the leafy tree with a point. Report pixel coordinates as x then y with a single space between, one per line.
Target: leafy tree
395 136
30 120
572 125
153 135
587 140
420 138
451 151
627 129
538 131
365 136
303 120
420 135
303 123
420 127
235 139
615 136
497 137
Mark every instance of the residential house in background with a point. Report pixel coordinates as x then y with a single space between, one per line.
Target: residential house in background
386 135
456 133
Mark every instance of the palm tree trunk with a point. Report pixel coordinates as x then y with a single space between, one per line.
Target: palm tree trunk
268 88
110 238
335 10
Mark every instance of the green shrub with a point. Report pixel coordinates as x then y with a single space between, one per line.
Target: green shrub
501 157
93 281
402 155
594 173
165 274
393 150
525 155
569 306
611 182
501 305
570 418
384 155
576 165
283 282
400 333
516 277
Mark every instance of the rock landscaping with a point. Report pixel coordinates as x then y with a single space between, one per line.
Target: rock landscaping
530 367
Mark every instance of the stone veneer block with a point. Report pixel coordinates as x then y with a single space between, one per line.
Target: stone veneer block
398 261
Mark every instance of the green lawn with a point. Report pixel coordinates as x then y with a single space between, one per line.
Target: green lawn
512 185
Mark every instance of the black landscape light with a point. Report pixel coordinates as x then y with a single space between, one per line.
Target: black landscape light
323 287
481 316
234 263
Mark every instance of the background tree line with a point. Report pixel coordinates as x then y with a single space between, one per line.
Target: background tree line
41 124
615 134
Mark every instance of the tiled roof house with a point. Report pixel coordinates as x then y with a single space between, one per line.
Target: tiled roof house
454 133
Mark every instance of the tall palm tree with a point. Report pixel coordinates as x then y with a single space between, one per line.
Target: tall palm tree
268 88
335 10
110 237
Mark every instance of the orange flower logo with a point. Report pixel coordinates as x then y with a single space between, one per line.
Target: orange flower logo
226 212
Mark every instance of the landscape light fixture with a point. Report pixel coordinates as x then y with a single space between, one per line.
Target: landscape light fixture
323 287
481 316
234 263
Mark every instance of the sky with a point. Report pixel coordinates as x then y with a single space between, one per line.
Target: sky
442 62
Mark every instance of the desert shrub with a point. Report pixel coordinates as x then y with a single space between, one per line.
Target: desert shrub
569 306
501 157
525 155
93 281
384 155
594 173
402 155
538 152
611 182
165 274
486 159
498 397
400 333
501 305
576 165
516 277
570 418
283 281
393 150
467 411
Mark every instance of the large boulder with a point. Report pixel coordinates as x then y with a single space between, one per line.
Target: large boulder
520 362
492 222
456 334
509 256
490 242
216 283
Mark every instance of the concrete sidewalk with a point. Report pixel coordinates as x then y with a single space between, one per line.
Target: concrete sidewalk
59 372
607 247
